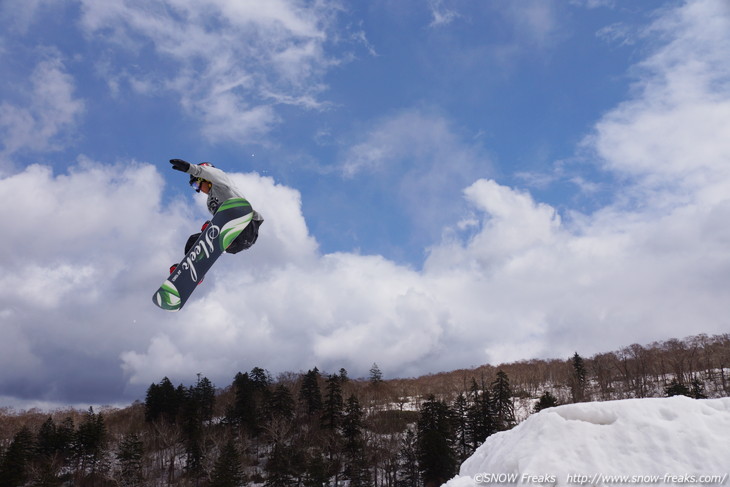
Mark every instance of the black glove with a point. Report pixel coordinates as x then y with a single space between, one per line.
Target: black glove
180 165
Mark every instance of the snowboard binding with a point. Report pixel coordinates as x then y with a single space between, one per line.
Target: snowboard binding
189 244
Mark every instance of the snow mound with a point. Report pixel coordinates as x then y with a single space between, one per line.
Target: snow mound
674 440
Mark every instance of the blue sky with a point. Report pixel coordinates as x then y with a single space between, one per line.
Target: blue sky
516 86
444 183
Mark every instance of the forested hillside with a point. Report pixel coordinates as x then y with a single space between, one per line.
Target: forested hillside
325 428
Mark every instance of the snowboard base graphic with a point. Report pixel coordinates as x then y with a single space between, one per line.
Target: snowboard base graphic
227 224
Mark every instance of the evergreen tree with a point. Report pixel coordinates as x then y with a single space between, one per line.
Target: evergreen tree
343 376
204 396
261 382
502 405
333 405
48 455
677 389
698 389
318 471
53 448
281 403
191 419
356 467
199 406
16 460
227 471
163 401
376 376
547 400
480 415
578 379
89 445
65 433
436 460
310 393
410 475
246 409
280 468
129 457
260 378
352 424
152 403
46 443
461 428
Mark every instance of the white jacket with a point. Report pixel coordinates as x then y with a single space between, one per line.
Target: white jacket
222 188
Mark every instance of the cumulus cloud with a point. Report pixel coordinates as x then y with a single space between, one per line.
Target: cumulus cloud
653 263
72 268
512 279
82 264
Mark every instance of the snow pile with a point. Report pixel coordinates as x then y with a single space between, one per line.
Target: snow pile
674 440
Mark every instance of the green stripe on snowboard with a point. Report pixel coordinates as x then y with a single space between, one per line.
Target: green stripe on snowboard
233 229
168 298
233 203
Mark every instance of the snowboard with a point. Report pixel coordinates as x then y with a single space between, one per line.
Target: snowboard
228 222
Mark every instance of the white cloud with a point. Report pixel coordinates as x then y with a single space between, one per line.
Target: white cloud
284 234
46 111
21 13
162 359
593 3
651 265
73 270
82 264
521 282
421 161
441 15
618 33
511 223
535 21
674 136
230 62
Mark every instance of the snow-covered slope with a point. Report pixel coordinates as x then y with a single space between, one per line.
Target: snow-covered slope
674 440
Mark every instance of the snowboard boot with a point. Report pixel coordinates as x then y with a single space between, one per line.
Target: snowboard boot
191 241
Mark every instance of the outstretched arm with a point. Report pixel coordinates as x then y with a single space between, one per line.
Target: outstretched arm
209 173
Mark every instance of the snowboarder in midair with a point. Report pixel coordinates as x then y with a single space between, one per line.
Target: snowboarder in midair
218 186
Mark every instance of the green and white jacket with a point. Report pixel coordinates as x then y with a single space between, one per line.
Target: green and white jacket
222 188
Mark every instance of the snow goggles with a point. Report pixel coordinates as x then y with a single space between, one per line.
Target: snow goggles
196 183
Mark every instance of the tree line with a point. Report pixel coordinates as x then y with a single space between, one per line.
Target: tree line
37 458
309 429
319 428
700 364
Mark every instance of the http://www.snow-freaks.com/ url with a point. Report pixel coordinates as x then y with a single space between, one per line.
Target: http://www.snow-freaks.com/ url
601 479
